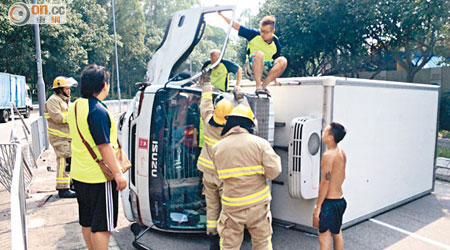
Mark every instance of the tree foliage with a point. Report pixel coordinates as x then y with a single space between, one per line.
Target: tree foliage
319 37
411 31
66 49
324 37
87 38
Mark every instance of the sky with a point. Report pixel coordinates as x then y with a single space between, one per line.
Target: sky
241 5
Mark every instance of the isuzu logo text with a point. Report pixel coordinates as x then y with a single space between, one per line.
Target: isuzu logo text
154 158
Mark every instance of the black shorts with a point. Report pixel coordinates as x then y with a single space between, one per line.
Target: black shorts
97 205
331 215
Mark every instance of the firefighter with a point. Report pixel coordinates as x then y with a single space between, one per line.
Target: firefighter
56 109
244 162
213 120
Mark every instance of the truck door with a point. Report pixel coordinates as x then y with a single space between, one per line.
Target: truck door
127 138
175 184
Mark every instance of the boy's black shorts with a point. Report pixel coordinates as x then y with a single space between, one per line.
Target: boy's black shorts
97 205
331 215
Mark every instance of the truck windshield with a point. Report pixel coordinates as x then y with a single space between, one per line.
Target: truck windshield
175 187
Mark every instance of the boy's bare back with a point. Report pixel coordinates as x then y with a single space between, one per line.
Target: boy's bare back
337 173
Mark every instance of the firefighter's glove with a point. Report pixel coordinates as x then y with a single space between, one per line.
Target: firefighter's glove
239 95
206 77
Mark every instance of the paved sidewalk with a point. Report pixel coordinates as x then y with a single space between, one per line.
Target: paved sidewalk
53 224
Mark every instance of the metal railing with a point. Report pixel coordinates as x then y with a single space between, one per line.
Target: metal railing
113 105
19 238
38 137
8 157
16 161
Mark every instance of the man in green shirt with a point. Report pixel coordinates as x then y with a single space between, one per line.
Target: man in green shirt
220 74
264 63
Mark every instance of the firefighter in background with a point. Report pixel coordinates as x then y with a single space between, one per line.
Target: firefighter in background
56 109
244 163
213 120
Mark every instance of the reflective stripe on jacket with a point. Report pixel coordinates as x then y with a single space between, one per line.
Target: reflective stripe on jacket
244 162
55 111
83 167
211 134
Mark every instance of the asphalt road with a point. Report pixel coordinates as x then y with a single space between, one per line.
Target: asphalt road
5 128
420 224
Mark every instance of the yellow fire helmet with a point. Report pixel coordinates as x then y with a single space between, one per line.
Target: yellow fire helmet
243 111
62 81
222 109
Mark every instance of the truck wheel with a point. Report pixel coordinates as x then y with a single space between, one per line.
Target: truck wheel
4 117
27 113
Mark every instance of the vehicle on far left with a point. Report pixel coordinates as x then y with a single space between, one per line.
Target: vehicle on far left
13 88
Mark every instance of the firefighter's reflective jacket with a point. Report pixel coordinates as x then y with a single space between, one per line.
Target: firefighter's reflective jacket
211 134
56 109
244 162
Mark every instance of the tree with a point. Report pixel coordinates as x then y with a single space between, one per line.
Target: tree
347 36
157 15
443 45
95 38
321 37
16 46
66 48
84 39
411 31
130 25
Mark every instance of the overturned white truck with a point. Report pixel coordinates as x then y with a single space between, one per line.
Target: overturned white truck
390 143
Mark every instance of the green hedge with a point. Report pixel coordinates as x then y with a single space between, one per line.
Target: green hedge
443 152
444 114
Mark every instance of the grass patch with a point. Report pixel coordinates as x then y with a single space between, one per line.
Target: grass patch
444 134
443 152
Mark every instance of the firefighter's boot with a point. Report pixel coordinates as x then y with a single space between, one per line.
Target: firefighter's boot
66 193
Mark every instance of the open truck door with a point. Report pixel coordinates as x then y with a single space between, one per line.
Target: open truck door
160 133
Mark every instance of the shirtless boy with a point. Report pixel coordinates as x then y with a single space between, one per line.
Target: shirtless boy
330 204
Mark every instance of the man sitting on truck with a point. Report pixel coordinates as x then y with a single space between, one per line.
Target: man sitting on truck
220 74
330 204
263 53
56 109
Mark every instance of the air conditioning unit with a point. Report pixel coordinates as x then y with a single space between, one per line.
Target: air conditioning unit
304 157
